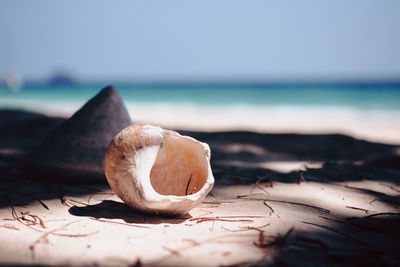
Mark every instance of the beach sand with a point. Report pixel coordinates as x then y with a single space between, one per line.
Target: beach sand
375 125
279 199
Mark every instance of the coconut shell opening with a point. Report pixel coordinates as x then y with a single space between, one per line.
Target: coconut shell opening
181 167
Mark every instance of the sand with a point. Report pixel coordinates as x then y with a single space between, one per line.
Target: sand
374 125
279 199
309 222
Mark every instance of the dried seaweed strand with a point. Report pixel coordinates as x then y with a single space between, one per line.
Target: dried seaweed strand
225 200
64 202
372 201
76 201
262 189
25 218
212 202
338 232
30 195
121 223
194 244
45 235
33 222
261 240
359 189
246 228
290 202
355 208
39 200
76 235
300 204
255 227
172 251
257 185
19 219
382 213
243 216
268 206
12 227
207 212
36 219
278 240
208 219
391 187
349 223
254 186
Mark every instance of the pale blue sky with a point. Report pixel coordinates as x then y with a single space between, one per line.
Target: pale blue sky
201 40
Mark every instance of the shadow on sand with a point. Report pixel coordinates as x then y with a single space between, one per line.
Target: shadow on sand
233 156
110 209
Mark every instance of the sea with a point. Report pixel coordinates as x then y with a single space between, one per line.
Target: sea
368 111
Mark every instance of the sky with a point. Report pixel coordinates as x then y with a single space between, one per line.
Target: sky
201 40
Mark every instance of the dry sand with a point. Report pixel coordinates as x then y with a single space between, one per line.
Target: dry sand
306 223
276 201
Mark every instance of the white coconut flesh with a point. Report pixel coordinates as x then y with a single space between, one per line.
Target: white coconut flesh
180 168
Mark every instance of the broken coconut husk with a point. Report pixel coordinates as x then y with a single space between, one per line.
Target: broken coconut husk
158 171
75 150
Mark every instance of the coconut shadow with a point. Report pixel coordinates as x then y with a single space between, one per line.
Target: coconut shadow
110 209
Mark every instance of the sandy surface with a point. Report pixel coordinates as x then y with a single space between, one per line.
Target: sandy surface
373 125
302 223
279 199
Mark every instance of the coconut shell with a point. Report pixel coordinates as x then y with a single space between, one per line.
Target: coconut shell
158 171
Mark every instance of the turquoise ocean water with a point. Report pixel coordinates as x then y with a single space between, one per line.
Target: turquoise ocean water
361 97
369 112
